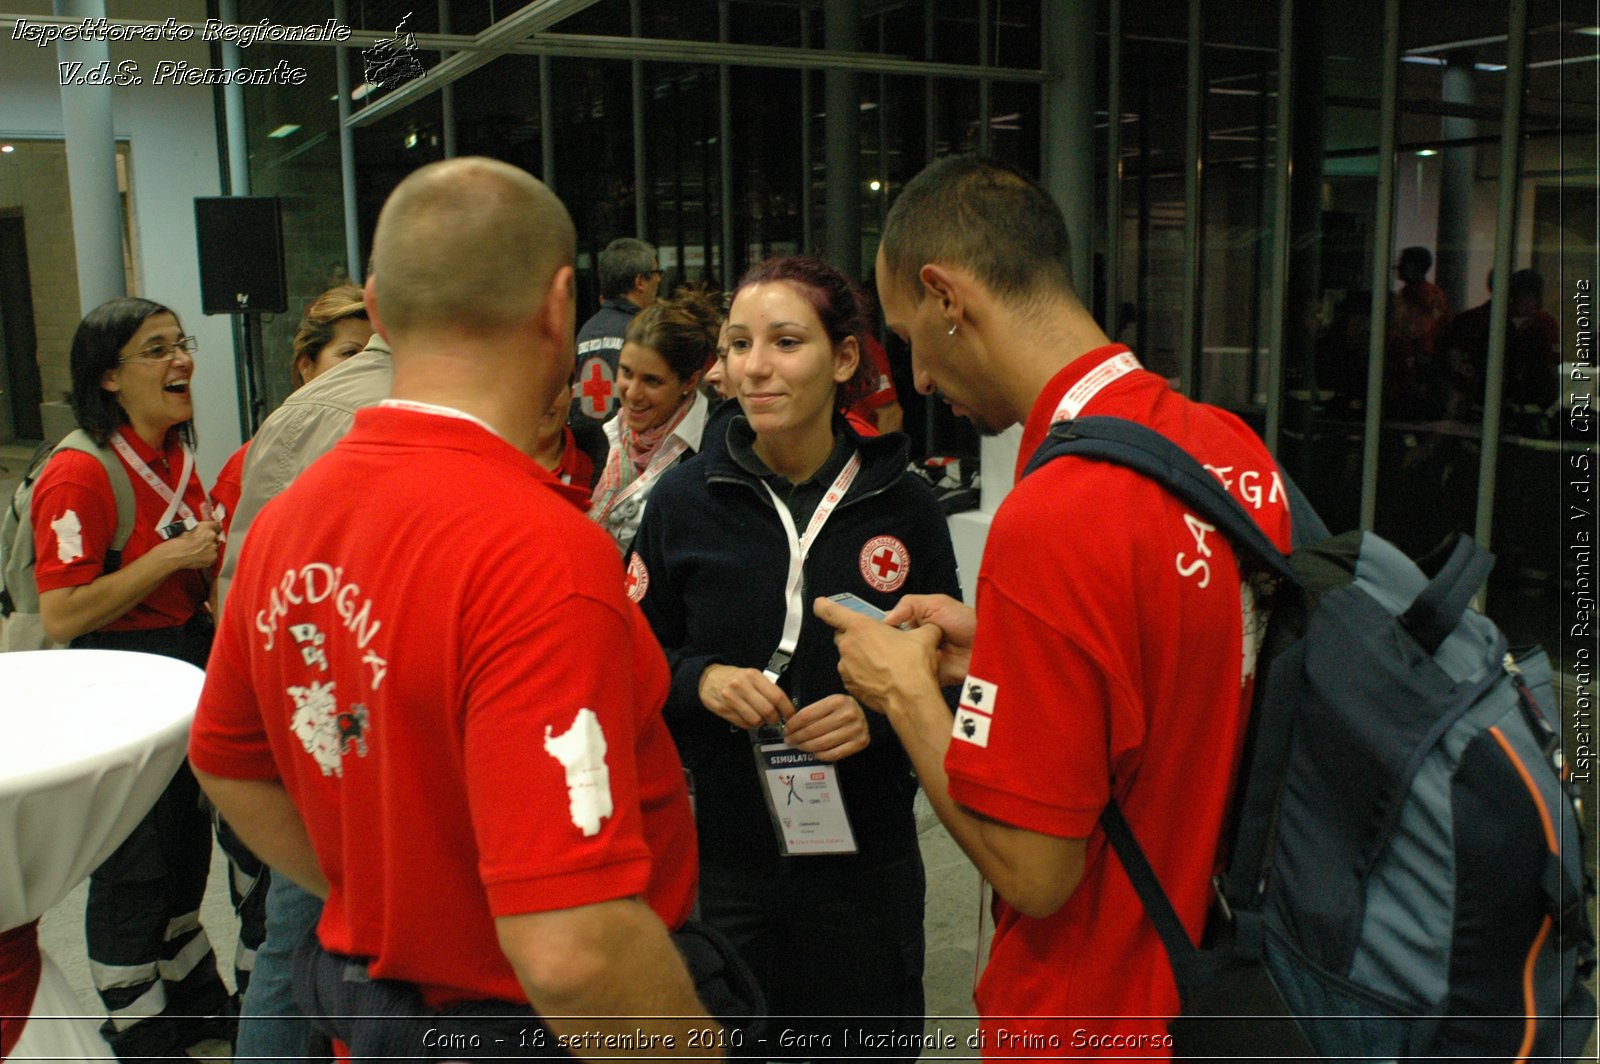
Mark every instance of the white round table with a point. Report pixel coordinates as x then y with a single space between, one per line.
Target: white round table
88 741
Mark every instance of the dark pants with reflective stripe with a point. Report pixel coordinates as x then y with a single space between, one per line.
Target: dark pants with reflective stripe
151 960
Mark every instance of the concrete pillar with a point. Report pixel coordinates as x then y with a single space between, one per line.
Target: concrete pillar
447 95
1454 250
92 164
355 263
1067 150
641 177
842 33
1303 295
233 108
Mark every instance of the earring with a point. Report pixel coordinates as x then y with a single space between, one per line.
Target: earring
952 331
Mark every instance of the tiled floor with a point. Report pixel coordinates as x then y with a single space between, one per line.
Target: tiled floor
952 928
952 938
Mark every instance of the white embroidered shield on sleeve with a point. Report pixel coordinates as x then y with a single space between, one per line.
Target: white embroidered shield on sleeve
69 537
581 749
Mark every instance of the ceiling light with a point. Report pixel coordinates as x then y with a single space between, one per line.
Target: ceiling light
411 139
875 185
1426 152
1424 60
1563 62
1489 68
282 131
1589 31
8 148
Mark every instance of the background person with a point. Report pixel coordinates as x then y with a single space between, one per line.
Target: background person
573 450
662 415
880 406
1419 381
836 934
333 328
311 420
629 281
132 366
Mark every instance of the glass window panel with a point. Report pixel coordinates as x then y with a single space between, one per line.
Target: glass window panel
683 166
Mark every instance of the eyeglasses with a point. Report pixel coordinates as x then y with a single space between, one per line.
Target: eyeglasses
158 353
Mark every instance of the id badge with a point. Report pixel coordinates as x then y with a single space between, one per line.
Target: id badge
804 799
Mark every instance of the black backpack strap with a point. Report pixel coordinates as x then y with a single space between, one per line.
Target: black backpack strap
1180 950
1436 612
1146 451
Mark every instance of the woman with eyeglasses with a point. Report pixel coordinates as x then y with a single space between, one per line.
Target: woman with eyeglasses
132 370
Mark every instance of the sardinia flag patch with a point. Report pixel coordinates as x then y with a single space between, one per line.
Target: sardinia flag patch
976 711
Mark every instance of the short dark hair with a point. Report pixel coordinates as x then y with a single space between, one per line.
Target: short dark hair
840 307
96 348
983 215
1417 256
620 262
682 330
1527 284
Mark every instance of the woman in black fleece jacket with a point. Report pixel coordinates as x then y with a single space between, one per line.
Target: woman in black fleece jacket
837 936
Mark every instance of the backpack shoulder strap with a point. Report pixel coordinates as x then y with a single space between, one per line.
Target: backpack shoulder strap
1142 449
121 486
1181 951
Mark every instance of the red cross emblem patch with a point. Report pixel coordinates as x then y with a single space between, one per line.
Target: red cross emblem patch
885 563
637 581
596 390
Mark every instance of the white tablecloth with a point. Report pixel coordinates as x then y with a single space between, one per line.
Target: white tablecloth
88 741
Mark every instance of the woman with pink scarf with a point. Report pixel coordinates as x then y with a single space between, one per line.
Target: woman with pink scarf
662 414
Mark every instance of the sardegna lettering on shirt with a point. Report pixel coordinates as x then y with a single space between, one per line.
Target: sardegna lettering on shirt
313 583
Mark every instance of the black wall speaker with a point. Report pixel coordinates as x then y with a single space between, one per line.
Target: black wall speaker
241 254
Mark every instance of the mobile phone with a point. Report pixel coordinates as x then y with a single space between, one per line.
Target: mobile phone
859 605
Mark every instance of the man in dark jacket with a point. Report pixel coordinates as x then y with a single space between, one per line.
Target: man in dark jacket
629 278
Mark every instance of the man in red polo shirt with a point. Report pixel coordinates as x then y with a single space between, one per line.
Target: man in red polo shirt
397 715
1112 650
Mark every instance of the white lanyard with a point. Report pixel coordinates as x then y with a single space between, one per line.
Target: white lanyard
799 547
440 411
1079 394
666 454
175 503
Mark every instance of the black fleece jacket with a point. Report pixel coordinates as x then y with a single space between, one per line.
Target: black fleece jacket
716 559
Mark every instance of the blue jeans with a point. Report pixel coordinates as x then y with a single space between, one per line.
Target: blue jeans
270 1024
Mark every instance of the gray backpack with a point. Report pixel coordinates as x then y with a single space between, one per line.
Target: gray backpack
20 626
1405 874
